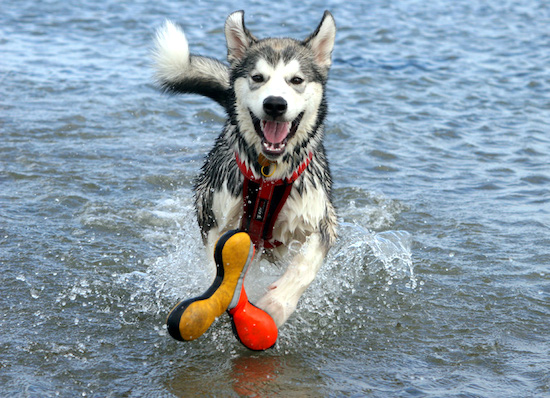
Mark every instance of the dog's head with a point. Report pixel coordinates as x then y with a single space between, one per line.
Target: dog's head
279 85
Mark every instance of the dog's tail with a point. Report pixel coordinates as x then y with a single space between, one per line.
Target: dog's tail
178 71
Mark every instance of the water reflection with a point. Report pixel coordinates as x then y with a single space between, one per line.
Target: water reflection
247 374
253 376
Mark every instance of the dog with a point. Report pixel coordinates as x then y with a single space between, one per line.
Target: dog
267 172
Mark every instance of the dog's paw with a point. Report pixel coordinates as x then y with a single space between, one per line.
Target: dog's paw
277 307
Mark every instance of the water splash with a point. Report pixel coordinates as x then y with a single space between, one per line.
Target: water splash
393 249
367 276
183 271
360 275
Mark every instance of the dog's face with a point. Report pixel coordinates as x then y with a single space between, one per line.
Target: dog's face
279 85
277 99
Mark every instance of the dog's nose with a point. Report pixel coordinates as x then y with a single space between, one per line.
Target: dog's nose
275 106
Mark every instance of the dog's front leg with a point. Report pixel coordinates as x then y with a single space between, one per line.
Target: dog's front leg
223 214
281 300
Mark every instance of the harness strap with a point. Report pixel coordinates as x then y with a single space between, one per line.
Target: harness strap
262 202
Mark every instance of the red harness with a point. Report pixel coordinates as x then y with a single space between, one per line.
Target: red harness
262 202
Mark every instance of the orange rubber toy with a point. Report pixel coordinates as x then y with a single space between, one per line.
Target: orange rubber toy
253 327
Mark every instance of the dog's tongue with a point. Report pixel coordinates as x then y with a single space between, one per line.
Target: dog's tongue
275 132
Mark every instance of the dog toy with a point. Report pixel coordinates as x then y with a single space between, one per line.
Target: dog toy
253 327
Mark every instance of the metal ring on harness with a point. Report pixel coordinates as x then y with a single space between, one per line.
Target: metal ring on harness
268 175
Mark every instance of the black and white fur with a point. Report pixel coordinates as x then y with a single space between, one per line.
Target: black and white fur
271 80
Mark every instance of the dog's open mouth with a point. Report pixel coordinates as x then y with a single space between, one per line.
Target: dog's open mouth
275 135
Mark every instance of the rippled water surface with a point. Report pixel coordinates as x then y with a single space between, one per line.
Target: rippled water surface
438 136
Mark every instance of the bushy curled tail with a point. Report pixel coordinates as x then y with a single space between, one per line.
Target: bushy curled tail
178 71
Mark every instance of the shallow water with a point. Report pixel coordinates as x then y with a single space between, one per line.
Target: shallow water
438 141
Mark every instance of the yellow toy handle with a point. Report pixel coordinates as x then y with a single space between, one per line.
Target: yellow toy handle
190 318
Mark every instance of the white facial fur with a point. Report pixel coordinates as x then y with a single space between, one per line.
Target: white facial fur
277 82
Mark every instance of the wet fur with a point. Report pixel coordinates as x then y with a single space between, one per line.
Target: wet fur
308 215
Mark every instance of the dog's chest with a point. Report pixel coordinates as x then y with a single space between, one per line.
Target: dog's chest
299 215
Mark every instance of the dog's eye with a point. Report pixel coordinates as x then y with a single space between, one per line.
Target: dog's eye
257 78
296 80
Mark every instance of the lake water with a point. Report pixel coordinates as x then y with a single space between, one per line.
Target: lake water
438 136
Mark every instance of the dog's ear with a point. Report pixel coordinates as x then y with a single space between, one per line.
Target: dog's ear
237 36
322 40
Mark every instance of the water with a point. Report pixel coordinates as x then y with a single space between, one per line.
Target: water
438 140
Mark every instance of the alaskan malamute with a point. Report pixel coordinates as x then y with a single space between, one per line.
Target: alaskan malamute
267 173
